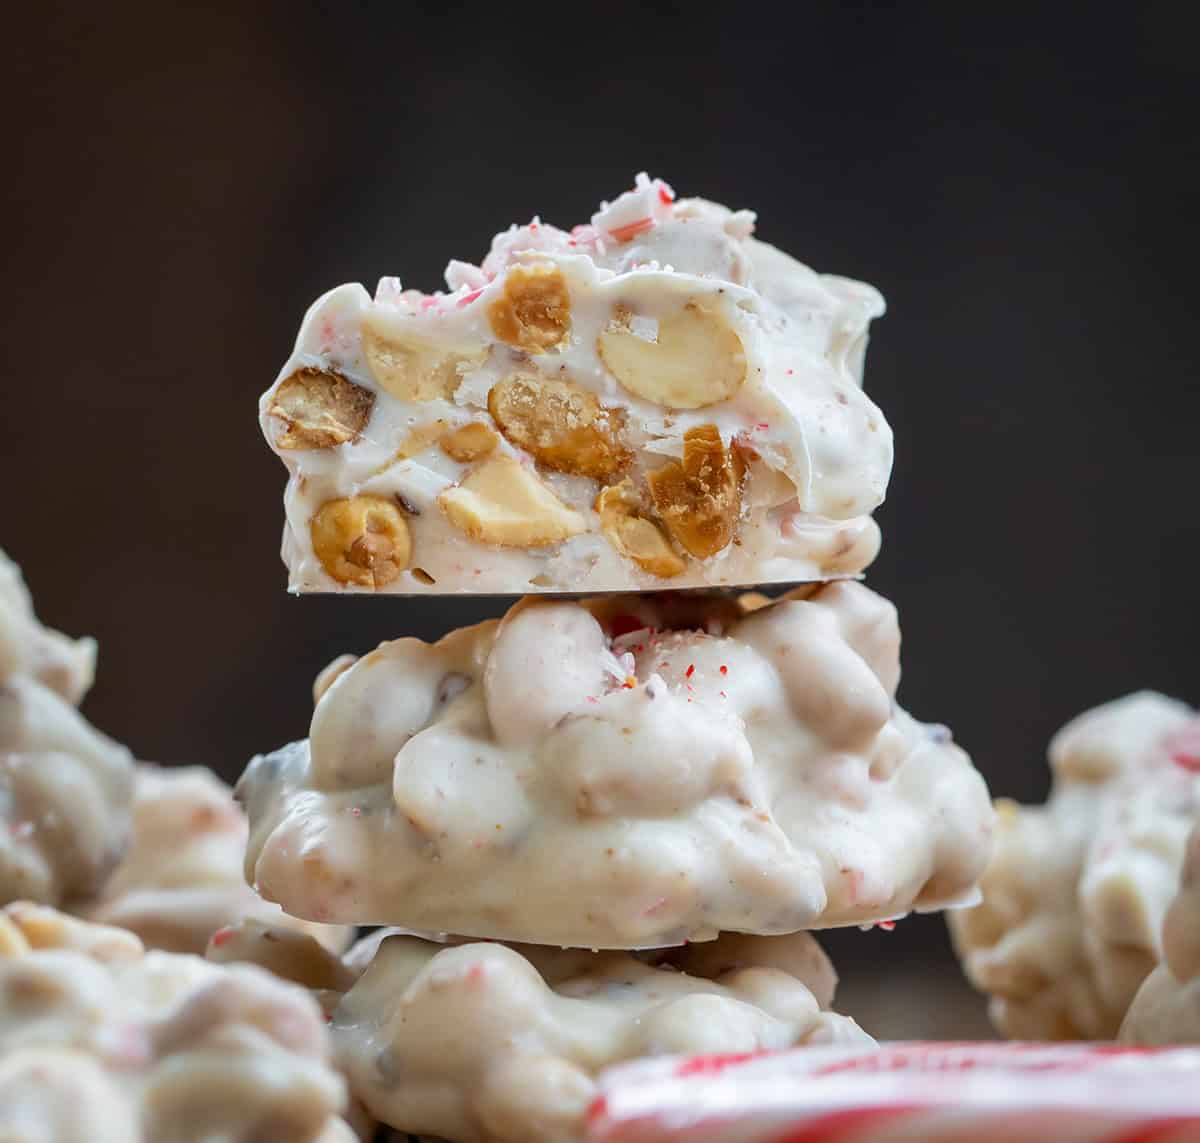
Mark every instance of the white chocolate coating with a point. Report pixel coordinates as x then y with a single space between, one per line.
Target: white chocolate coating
1074 898
767 351
621 773
181 879
1166 1009
27 648
101 1040
65 791
484 1043
65 788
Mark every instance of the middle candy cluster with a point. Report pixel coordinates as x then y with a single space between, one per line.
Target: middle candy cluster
606 824
623 772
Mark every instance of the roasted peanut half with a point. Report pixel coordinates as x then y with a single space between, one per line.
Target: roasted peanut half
561 424
634 534
319 408
533 312
692 359
700 500
413 369
470 441
501 502
363 540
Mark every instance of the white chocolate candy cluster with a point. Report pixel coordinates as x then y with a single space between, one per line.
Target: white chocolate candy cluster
103 1042
64 665
653 399
621 773
181 879
1166 1009
65 788
482 1041
1074 898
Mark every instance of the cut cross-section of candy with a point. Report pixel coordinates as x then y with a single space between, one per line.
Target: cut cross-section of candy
660 348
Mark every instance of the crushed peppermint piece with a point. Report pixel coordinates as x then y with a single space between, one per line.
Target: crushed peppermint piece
632 229
1183 746
690 671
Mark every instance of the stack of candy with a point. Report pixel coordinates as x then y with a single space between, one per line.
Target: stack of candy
597 831
605 824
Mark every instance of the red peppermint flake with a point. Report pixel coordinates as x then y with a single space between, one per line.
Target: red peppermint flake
724 669
429 303
632 229
665 196
467 299
1183 746
690 671
624 624
886 926
222 937
711 1065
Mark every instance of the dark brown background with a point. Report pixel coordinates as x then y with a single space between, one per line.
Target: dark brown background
179 187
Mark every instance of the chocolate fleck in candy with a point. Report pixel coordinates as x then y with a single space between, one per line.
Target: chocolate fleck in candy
699 766
1076 892
656 398
100 1040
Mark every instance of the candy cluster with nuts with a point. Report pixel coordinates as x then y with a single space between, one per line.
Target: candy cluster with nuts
655 399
